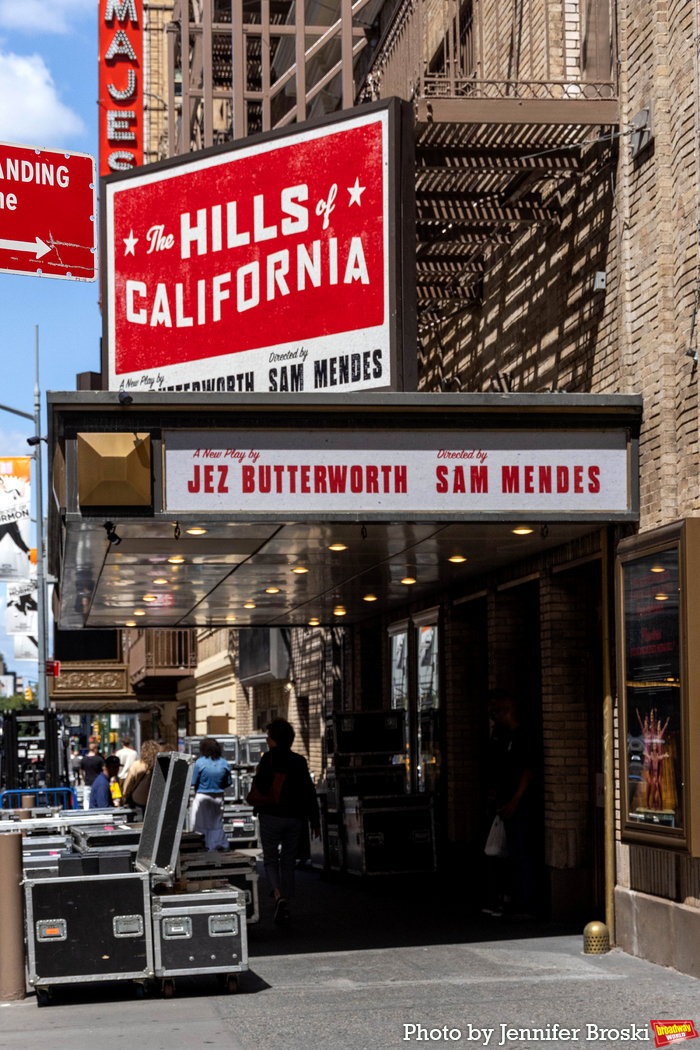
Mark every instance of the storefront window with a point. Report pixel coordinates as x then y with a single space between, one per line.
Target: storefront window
653 691
428 708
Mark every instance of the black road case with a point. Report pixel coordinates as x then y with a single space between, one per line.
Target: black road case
336 851
196 933
237 868
163 821
88 929
363 781
369 733
107 836
252 748
386 836
240 825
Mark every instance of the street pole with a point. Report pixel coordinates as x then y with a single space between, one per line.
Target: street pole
40 573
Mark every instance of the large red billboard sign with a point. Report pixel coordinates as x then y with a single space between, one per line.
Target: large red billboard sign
48 203
120 85
268 267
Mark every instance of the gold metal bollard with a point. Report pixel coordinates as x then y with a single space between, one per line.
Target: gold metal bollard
596 939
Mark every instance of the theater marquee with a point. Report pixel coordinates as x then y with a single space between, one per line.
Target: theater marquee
444 473
280 265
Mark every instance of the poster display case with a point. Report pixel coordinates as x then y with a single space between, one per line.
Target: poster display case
658 598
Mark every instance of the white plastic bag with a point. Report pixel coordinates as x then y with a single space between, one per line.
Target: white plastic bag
496 843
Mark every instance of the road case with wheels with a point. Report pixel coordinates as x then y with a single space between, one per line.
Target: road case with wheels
386 836
88 929
196 933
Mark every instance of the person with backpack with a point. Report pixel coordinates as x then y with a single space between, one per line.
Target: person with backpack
284 797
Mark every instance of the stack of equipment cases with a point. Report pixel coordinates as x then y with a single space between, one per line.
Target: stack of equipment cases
200 917
91 927
40 855
389 836
239 869
251 749
230 751
365 746
195 933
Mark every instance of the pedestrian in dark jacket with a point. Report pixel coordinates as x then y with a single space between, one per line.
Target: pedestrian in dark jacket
284 797
101 794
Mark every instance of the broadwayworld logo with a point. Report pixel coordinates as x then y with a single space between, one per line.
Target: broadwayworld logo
667 1032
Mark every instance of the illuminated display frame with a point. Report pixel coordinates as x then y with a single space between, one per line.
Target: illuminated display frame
683 537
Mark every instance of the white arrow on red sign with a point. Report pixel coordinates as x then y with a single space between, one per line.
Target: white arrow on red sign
39 247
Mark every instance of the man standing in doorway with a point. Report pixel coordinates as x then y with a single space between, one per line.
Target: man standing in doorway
514 770
127 756
91 766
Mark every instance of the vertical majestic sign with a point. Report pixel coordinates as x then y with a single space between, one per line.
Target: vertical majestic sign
121 85
279 264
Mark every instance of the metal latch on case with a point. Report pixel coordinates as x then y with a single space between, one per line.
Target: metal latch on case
51 930
223 925
127 925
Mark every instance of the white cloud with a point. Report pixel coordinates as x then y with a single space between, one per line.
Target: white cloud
14 442
43 16
31 111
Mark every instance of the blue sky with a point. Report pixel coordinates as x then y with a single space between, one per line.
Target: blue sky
48 84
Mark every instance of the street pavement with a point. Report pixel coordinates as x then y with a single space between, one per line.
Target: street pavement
359 962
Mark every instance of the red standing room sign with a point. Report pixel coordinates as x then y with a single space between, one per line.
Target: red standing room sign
121 85
48 219
276 265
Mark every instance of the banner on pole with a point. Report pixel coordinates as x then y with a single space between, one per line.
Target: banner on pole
15 505
22 609
8 685
26 647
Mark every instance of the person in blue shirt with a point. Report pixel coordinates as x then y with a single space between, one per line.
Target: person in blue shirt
100 794
212 774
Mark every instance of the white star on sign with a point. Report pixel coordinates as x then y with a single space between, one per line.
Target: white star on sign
355 193
130 241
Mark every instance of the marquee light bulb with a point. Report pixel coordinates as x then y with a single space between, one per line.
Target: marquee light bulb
337 547
408 580
457 559
198 531
299 569
522 530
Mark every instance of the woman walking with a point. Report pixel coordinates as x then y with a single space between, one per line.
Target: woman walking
284 796
212 774
138 780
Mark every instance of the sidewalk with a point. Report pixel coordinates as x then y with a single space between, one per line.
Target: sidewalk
358 963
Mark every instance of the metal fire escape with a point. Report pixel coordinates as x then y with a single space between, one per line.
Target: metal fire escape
511 101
